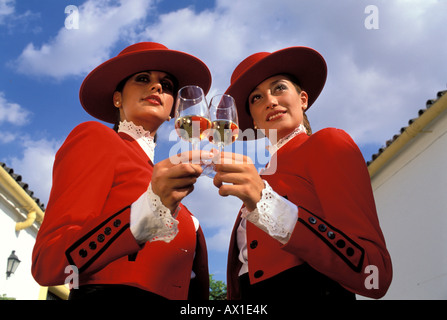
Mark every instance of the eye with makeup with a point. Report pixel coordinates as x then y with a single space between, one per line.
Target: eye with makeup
166 83
278 88
143 77
253 98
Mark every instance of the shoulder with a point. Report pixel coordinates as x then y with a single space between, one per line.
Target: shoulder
332 142
90 137
92 132
331 138
93 128
330 135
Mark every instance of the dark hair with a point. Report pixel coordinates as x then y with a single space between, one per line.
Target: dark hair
298 88
119 88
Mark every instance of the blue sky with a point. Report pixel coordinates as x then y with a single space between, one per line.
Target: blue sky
378 78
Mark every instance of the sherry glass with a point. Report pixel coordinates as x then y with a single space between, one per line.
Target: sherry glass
191 115
224 124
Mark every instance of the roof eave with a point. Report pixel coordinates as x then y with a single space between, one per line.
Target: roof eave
24 200
416 126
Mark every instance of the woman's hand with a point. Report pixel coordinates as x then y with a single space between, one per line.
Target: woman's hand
241 178
174 177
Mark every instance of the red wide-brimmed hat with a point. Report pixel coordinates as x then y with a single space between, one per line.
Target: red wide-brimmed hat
96 93
304 64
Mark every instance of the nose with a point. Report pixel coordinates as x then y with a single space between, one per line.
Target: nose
156 87
272 102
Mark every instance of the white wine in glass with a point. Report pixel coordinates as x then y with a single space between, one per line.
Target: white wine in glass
224 123
192 115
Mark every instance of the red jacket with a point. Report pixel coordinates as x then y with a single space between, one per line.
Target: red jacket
97 175
337 232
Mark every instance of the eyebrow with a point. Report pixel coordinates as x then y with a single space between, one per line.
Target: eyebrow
276 81
166 76
271 84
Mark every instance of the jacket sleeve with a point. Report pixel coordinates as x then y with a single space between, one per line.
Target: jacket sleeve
80 228
343 241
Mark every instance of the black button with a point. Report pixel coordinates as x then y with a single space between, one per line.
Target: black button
312 220
322 227
92 245
83 253
117 223
254 244
341 243
108 231
259 274
331 235
350 252
101 237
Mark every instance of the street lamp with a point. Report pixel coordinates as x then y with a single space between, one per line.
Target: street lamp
13 263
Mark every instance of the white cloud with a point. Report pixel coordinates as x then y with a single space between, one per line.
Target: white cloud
14 21
102 24
374 76
394 57
366 103
377 79
12 112
219 241
213 211
7 7
36 165
7 137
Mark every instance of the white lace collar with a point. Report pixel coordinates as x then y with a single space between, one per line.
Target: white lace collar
143 137
275 147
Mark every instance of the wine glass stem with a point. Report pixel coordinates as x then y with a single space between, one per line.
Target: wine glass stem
195 144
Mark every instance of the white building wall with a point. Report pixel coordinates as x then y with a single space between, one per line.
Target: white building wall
411 198
20 285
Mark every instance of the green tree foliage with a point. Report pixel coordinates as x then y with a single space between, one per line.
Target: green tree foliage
218 289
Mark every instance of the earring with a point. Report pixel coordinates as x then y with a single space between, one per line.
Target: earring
169 118
256 127
117 103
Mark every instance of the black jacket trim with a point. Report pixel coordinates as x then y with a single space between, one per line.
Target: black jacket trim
89 234
356 268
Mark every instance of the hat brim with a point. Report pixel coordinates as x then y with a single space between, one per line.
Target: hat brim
96 92
305 64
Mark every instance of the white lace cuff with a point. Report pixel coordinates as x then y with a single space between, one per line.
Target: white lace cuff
150 220
273 214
